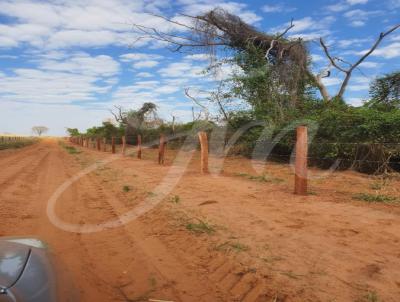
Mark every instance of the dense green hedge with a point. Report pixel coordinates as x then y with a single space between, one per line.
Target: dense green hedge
363 138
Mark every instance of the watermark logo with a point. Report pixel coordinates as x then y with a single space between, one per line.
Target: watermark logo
219 148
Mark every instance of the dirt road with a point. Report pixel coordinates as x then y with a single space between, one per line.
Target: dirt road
221 238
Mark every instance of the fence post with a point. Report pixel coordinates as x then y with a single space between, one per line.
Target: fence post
98 144
161 150
113 145
204 151
104 144
139 146
300 180
123 145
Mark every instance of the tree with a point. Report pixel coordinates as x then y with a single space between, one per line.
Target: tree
285 60
338 62
39 130
73 132
385 92
132 120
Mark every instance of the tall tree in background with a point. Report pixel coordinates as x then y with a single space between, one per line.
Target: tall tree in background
385 92
39 130
133 120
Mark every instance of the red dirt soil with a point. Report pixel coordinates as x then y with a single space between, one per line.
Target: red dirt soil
260 242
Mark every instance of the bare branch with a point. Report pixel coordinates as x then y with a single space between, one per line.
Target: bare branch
205 109
348 72
286 30
376 44
331 59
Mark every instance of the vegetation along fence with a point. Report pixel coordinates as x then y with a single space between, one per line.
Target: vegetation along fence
301 157
9 142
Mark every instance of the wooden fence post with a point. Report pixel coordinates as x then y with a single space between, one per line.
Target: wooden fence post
300 180
113 145
98 144
139 146
123 145
104 144
204 151
161 150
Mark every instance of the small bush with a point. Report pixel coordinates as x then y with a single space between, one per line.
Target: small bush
71 150
260 178
175 199
17 144
374 197
233 246
201 227
126 188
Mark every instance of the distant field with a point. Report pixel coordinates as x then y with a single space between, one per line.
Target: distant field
11 142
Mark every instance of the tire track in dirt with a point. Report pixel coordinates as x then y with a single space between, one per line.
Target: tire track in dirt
13 192
156 257
159 269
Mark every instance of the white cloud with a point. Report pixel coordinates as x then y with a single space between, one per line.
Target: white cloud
354 2
345 43
144 75
359 83
317 58
337 7
76 78
167 89
359 17
82 63
277 8
181 69
64 24
128 57
198 7
357 23
331 81
343 5
393 4
389 51
145 64
307 27
198 57
370 65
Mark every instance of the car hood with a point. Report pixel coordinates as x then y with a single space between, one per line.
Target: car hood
13 258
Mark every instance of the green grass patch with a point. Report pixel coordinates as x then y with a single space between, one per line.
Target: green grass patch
374 198
69 149
175 199
372 297
232 246
260 178
126 188
201 227
376 186
17 144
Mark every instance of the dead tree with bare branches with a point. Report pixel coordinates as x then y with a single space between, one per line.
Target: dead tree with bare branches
288 58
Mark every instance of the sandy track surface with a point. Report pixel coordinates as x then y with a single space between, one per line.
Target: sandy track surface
265 244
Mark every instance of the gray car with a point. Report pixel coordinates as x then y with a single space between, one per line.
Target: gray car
28 272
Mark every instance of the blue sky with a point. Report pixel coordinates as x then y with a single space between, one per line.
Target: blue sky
65 63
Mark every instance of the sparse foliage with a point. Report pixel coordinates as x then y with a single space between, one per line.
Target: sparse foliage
39 130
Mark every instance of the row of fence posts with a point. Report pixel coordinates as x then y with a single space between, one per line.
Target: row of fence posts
5 139
300 184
